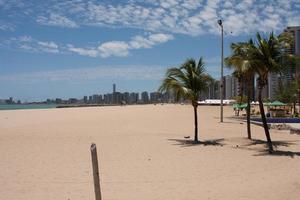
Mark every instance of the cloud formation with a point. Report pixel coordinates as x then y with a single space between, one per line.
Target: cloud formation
56 20
27 43
162 18
190 17
122 48
106 49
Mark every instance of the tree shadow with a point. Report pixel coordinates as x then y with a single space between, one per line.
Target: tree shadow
276 145
231 122
190 143
278 153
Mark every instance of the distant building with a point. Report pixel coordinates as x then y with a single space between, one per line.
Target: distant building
72 101
133 98
273 80
85 99
126 98
167 98
291 71
117 98
145 97
96 99
155 97
58 101
229 87
90 99
114 88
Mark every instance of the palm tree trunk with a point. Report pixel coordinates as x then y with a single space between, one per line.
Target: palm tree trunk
264 120
241 89
249 90
196 123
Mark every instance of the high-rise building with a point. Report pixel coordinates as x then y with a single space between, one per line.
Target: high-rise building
115 96
85 99
291 71
126 97
114 88
229 87
273 80
145 97
133 98
155 97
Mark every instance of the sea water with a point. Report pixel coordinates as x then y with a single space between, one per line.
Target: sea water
26 106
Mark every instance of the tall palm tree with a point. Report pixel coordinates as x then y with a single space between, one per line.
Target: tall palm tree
187 82
240 61
267 55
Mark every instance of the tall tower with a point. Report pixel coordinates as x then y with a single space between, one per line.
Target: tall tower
114 96
114 88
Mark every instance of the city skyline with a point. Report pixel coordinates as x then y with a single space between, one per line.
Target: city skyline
114 98
75 48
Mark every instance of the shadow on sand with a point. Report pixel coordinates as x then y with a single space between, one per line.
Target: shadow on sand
190 143
276 145
278 153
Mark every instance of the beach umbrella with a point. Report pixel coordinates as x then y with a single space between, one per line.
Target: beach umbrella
277 103
239 106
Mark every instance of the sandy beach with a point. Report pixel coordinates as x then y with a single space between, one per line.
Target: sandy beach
45 155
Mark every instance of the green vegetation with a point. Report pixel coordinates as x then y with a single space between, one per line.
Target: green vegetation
240 61
261 56
187 82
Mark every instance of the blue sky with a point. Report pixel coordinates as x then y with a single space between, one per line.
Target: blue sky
73 48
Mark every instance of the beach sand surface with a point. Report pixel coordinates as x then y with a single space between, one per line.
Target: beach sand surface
45 155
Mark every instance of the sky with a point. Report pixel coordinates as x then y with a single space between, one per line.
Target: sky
65 49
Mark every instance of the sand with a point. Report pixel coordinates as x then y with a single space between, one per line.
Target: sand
45 154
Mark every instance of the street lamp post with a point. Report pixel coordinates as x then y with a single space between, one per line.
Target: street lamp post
299 99
222 66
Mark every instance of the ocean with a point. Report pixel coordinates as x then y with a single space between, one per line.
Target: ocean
26 106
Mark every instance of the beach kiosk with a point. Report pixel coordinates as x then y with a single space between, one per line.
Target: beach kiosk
238 107
277 109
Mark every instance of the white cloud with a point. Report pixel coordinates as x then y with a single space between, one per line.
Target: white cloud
50 47
27 43
56 20
122 48
160 38
83 52
4 26
25 38
114 48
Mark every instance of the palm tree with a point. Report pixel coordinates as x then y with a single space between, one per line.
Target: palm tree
267 57
187 82
240 61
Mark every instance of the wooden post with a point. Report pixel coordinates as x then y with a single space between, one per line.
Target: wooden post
96 172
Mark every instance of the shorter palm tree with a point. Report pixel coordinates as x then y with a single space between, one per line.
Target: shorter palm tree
187 82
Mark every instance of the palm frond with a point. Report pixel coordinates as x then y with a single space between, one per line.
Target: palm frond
186 81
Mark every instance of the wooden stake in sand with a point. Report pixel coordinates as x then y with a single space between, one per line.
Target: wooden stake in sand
96 172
